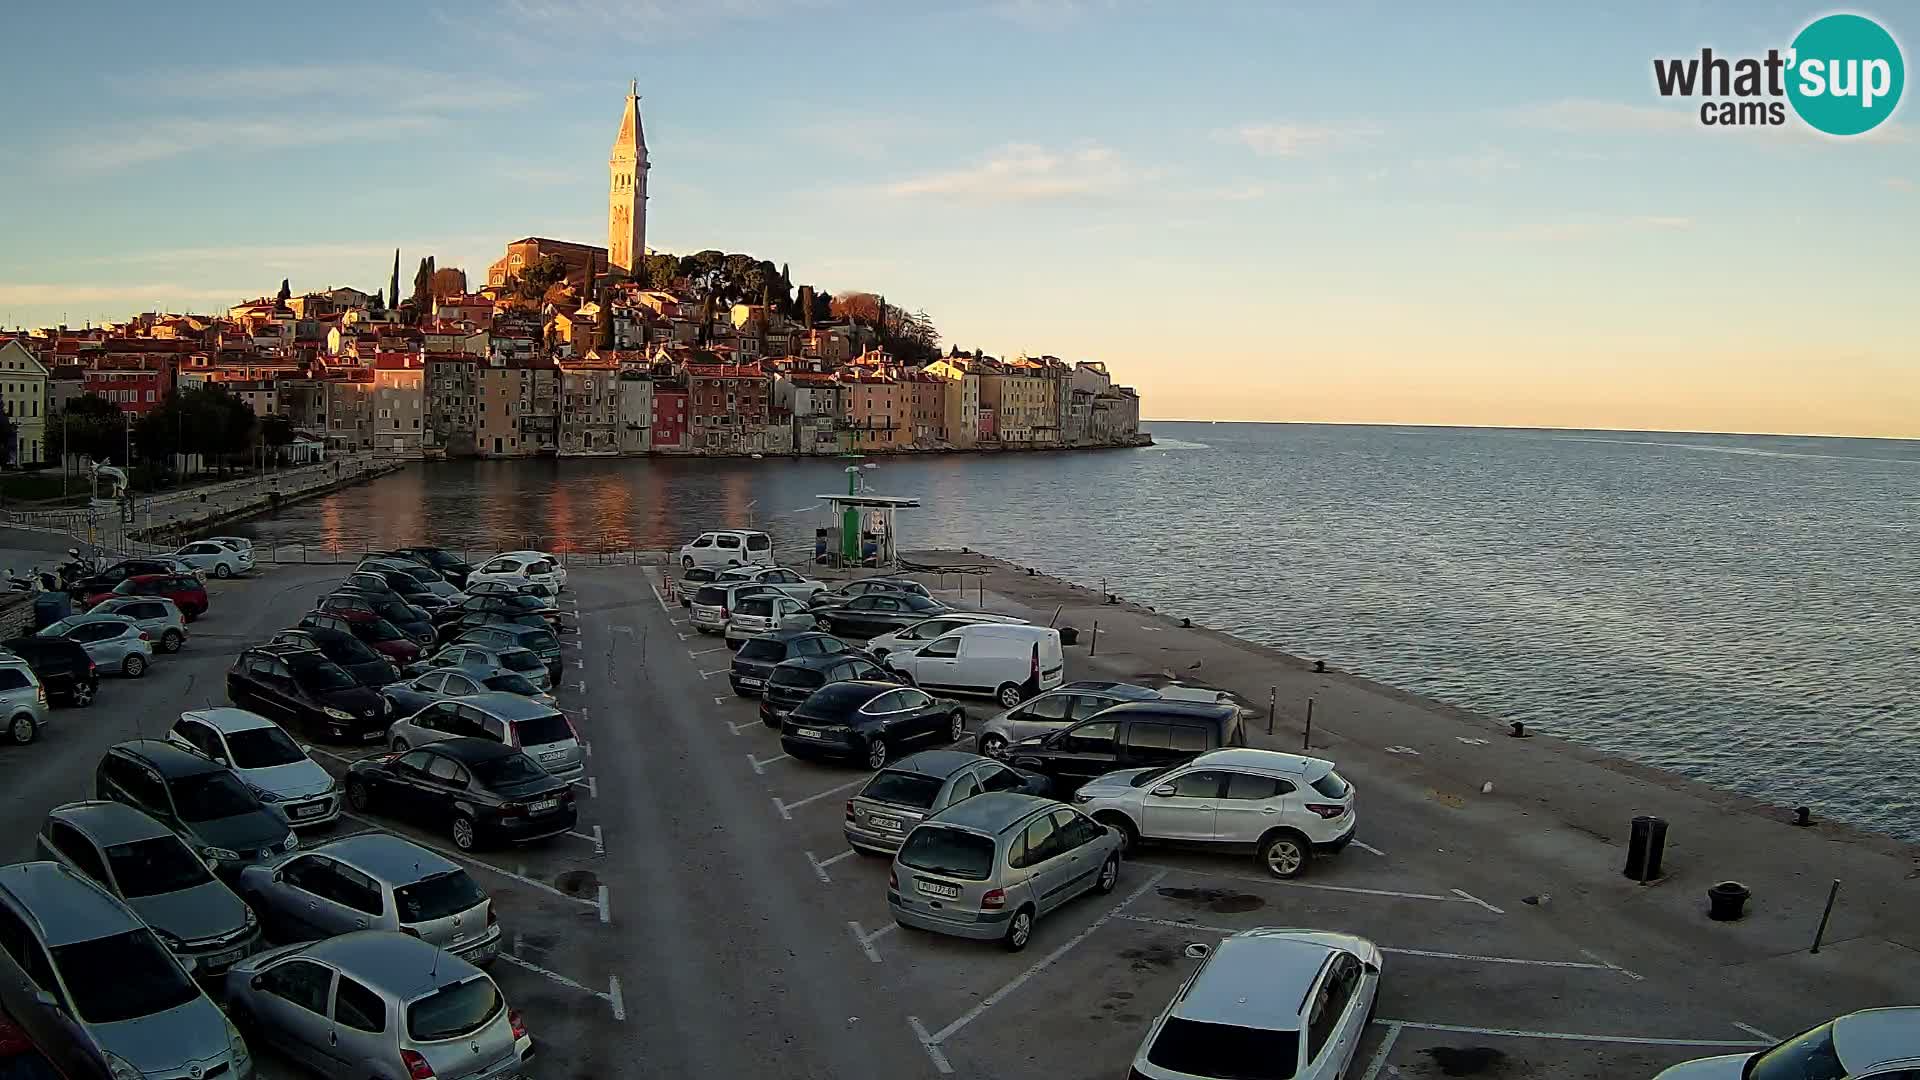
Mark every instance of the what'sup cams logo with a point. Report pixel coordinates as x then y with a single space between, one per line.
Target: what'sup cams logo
1842 75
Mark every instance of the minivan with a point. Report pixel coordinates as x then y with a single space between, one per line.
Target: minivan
713 604
734 547
542 731
752 616
1007 662
1134 735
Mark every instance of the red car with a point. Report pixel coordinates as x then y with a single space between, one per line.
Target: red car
187 593
384 637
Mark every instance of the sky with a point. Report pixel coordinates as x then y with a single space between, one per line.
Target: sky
1474 214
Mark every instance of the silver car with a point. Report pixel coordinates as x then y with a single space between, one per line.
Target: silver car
156 874
911 789
216 557
752 616
466 654
368 1003
795 585
266 759
991 866
542 731
23 701
157 615
108 972
113 642
1069 704
375 881
713 604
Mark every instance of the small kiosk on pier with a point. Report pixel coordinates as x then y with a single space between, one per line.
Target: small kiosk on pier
860 527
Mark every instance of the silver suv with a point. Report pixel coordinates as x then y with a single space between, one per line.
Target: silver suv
523 723
23 701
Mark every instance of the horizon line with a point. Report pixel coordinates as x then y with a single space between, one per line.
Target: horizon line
1533 427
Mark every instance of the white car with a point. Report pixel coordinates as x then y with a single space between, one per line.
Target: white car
912 637
518 565
1009 662
217 558
1297 1002
1873 1044
1283 807
732 547
795 585
266 759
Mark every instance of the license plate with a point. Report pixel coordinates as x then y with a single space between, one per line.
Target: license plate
934 888
806 733
887 823
545 805
553 755
373 736
222 958
310 811
744 681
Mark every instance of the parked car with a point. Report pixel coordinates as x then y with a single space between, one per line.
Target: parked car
373 1003
913 635
270 763
216 557
300 687
733 547
449 565
989 867
793 681
796 585
868 587
164 623
358 659
869 722
1296 1001
382 636
427 596
1052 711
200 800
691 578
478 790
877 613
63 667
1133 735
355 606
38 1040
457 627
113 642
920 785
367 582
105 580
1007 662
1284 808
756 659
496 635
187 592
538 728
511 585
713 604
752 616
443 684
470 656
109 974
421 574
237 543
1872 1044
532 565
149 868
375 881
515 604
23 701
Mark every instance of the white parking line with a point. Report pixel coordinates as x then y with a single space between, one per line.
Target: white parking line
820 866
1380 1056
744 724
1604 962
611 995
705 652
1755 1032
760 767
719 700
662 599
1566 1036
785 807
599 841
580 663
866 940
1472 899
1429 953
1364 846
711 674
605 915
582 685
940 1062
683 637
614 999
483 864
1462 898
593 789
580 836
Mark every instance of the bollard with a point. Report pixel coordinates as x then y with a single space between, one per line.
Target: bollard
1273 701
1646 843
1802 816
1306 736
1093 646
1519 730
1832 894
1319 666
1727 901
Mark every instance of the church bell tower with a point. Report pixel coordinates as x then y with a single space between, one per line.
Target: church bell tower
627 194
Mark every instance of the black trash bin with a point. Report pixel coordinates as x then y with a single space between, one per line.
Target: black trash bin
1646 843
1727 901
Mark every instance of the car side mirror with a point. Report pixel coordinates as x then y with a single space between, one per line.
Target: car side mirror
1164 791
258 982
46 998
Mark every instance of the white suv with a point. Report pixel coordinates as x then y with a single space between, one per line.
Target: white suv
729 548
1284 807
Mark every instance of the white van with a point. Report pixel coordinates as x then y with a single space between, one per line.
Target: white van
735 547
1009 663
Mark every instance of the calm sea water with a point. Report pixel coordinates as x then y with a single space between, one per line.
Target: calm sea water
1740 609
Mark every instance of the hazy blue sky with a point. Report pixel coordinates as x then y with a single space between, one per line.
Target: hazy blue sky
1436 213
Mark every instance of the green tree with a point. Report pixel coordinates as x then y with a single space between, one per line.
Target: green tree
662 270
423 287
9 433
285 293
393 287
91 426
535 280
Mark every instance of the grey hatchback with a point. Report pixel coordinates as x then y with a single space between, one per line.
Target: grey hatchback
209 807
991 866
899 796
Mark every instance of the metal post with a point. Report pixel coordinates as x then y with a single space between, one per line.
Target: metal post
1306 737
1273 701
1832 893
1093 647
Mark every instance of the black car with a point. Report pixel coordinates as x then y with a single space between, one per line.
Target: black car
792 681
200 800
456 627
359 660
62 666
409 620
877 613
449 566
297 686
105 580
476 789
868 587
758 655
520 604
408 587
1134 735
868 721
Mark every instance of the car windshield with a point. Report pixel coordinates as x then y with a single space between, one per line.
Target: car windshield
754 605
262 748
122 977
316 674
453 1011
1809 1056
348 650
902 789
438 896
803 677
916 602
512 683
1332 786
520 660
711 596
1150 776
382 630
526 603
763 649
541 730
507 770
1225 1051
210 796
952 852
541 639
152 867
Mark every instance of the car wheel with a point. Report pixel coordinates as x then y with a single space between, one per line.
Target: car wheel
1120 823
170 641
877 752
1285 854
1109 875
359 795
1008 695
956 726
823 626
22 729
464 837
82 694
1019 929
734 645
993 746
134 666
190 614
686 562
222 570
399 746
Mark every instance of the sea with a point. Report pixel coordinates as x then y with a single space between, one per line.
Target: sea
1740 609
